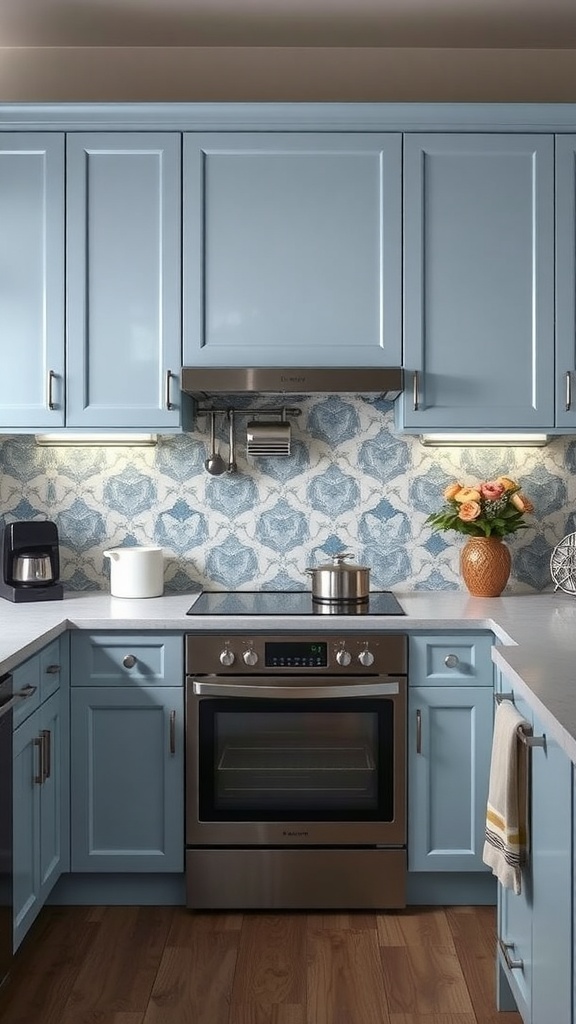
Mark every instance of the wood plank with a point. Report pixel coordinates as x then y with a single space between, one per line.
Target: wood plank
355 921
194 981
46 967
345 981
415 926
432 1018
271 968
119 970
474 932
424 979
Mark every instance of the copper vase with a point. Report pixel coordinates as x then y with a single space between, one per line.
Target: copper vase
485 566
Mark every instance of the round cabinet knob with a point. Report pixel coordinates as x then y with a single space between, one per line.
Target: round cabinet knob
250 658
366 658
343 658
129 661
451 660
227 657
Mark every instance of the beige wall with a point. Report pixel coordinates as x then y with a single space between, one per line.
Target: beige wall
206 74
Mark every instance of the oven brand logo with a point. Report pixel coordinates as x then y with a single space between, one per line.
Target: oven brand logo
295 834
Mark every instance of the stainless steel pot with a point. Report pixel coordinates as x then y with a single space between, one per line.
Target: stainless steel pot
340 581
33 568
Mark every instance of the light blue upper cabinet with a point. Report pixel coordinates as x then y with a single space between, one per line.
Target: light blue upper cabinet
123 280
292 249
479 282
566 281
31 280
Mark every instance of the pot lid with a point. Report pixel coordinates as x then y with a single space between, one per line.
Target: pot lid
340 565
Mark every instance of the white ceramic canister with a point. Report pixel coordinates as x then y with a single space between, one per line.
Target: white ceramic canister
136 571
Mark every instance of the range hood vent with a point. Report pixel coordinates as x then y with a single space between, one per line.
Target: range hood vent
204 381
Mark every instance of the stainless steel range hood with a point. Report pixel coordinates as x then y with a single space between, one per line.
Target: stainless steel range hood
202 381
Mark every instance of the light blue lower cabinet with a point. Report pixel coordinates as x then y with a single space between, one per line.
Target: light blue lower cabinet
449 744
39 838
535 928
127 779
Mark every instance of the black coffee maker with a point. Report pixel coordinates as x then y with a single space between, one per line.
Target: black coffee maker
30 562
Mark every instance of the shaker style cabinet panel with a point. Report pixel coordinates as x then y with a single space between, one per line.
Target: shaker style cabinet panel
292 249
40 816
479 282
123 280
450 713
449 743
535 928
566 281
31 280
127 778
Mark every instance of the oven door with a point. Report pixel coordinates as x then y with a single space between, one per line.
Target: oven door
296 763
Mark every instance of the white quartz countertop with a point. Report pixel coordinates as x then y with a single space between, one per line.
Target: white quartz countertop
536 634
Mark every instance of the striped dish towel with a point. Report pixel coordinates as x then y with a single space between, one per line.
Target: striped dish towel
505 845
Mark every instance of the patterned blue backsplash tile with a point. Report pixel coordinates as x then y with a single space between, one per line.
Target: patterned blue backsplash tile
350 483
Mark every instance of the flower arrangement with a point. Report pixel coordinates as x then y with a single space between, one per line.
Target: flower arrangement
490 508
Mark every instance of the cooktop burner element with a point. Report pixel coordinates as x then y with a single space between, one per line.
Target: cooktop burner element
294 602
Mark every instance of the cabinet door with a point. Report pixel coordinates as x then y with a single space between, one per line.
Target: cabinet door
292 249
479 281
31 281
515 917
127 778
123 275
26 825
449 746
39 856
566 281
551 859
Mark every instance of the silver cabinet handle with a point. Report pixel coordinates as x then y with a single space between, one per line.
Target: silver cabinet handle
50 390
451 660
12 702
39 778
172 732
418 731
169 405
568 390
415 390
129 661
514 965
52 670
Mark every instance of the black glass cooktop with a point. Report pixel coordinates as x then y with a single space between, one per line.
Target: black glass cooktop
292 602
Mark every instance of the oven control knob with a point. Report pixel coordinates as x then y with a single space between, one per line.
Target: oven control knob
366 658
227 657
343 657
250 658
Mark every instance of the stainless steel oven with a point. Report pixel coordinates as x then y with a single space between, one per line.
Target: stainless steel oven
296 769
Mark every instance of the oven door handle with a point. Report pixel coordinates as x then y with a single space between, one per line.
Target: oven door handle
360 689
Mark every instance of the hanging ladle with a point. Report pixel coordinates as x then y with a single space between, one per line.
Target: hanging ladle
232 467
214 464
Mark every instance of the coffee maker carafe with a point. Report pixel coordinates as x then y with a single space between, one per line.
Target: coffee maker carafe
30 562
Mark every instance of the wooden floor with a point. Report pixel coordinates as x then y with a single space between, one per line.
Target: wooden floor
167 965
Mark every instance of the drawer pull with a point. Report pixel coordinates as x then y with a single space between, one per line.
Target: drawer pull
53 670
418 731
568 405
172 732
451 660
46 739
129 661
513 965
50 390
168 401
38 743
415 391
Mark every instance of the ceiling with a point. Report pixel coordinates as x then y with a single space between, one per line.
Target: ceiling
521 24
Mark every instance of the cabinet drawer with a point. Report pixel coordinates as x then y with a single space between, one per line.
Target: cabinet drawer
451 660
51 669
26 681
109 659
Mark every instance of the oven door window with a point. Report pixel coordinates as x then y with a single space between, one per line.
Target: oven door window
296 760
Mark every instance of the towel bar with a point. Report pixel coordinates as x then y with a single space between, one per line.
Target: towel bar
525 737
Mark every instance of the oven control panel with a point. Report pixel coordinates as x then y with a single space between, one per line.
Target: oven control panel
265 653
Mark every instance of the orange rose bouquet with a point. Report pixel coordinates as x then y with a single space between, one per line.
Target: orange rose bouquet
492 508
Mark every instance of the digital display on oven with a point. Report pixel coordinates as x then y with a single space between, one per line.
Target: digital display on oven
295 654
